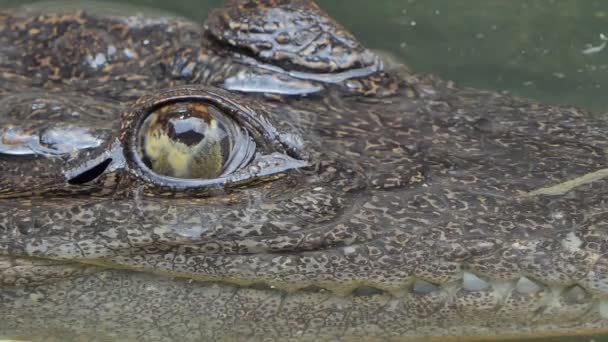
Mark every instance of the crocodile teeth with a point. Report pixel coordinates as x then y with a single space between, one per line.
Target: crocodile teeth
527 286
422 287
471 282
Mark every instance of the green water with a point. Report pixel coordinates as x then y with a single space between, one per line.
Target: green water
529 48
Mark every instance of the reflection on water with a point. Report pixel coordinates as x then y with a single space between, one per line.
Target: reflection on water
550 50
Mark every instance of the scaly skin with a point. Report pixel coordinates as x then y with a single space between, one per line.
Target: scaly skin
383 206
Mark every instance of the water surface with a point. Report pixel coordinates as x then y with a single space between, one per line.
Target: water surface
543 49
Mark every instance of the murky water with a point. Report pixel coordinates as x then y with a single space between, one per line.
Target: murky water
541 49
545 49
553 51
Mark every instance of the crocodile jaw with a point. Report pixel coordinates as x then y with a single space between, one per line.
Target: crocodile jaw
86 300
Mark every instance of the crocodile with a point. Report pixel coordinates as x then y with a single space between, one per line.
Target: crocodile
265 177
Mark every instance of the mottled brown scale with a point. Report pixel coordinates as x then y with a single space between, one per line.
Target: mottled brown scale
420 209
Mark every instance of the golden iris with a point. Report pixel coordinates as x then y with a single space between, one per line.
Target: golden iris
186 140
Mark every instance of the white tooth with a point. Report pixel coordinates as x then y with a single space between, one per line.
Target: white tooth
471 282
527 286
604 309
423 287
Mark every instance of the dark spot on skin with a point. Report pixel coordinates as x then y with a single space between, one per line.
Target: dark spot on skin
23 228
484 125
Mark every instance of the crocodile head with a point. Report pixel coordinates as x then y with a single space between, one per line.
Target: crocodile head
266 177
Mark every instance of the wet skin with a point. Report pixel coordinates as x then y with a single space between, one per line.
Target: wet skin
338 197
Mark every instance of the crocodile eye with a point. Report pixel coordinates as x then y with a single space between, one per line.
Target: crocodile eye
190 140
193 137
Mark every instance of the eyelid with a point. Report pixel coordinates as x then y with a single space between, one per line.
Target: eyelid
275 152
